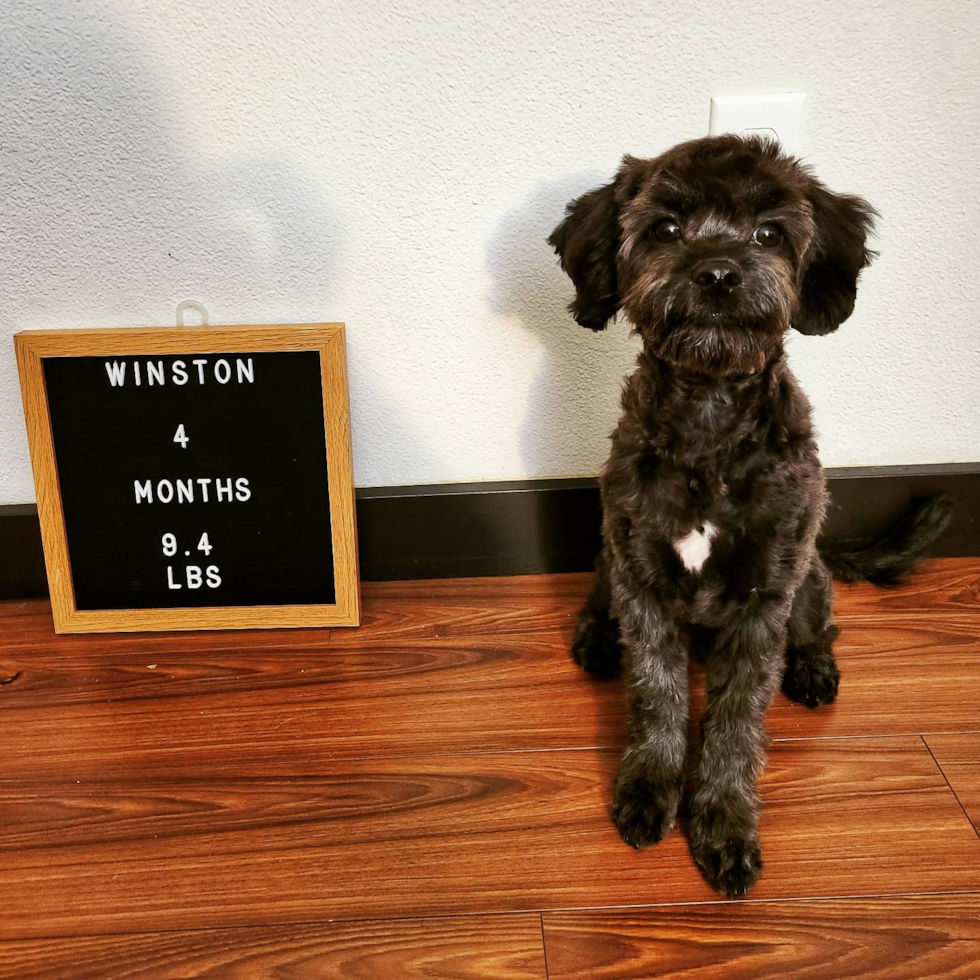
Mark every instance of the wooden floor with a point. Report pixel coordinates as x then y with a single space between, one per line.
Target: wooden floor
427 796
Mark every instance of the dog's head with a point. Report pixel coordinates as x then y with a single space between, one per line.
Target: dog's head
713 250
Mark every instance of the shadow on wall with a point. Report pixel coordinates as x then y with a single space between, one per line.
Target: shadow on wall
573 405
106 212
108 219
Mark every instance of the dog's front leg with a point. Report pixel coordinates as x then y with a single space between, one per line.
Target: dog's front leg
650 781
743 672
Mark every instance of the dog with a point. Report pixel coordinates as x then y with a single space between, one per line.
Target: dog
713 494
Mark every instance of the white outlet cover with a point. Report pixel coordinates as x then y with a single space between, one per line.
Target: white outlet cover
778 116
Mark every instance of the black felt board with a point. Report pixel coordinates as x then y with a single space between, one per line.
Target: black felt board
273 548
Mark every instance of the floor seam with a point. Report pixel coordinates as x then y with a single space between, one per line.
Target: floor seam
500 913
942 773
544 948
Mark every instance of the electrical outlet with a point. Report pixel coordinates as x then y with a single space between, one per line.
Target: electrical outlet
777 116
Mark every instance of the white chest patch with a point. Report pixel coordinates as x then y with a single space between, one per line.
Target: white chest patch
695 547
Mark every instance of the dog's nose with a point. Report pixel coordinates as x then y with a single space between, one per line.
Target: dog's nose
718 275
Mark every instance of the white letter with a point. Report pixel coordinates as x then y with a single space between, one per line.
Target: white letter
200 362
136 371
242 491
154 371
214 579
117 373
162 487
194 577
222 365
185 491
222 490
146 490
202 482
180 373
245 372
171 584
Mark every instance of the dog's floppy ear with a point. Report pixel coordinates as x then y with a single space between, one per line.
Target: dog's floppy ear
587 242
834 260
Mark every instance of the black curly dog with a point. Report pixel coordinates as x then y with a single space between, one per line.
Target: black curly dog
713 494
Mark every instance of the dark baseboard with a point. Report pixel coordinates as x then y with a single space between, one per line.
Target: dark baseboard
533 526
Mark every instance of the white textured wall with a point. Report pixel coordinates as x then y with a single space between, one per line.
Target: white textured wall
397 165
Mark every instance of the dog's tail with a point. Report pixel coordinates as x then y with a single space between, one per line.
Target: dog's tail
885 559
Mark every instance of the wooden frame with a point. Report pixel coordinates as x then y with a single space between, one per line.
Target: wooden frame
326 338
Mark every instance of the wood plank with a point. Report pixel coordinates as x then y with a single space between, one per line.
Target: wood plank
946 586
262 716
262 711
959 758
898 676
277 702
268 702
501 947
861 939
472 834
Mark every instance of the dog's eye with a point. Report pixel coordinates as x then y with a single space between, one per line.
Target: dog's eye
666 230
768 235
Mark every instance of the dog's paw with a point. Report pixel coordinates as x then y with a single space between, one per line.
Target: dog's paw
725 846
811 676
644 811
731 866
596 646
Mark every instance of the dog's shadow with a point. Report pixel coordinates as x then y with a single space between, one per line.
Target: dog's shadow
573 404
